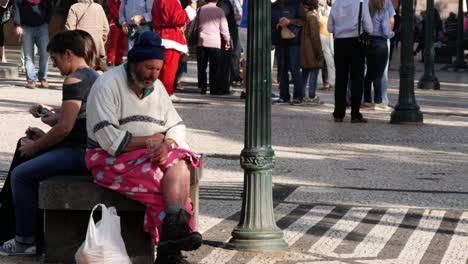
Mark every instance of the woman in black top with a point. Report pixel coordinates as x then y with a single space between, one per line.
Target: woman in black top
61 150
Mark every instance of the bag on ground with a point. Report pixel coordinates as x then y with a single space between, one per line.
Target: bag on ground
103 243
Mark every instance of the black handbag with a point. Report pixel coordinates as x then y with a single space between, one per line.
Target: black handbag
363 38
193 32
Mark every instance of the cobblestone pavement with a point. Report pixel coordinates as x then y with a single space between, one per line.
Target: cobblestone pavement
343 193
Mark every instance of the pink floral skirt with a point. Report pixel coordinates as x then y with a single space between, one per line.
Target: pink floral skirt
135 176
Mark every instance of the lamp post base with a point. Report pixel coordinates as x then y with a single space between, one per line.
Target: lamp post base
240 241
429 82
409 114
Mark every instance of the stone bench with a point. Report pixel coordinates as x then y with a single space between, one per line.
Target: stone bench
67 202
8 70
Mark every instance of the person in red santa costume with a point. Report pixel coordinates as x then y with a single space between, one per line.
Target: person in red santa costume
117 44
168 20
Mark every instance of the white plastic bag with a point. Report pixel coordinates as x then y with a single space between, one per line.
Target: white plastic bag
104 243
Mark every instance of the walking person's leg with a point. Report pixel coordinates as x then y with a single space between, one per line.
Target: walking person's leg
28 51
41 43
371 61
342 74
121 47
295 69
305 77
313 84
112 44
357 75
2 39
202 64
284 74
169 70
381 62
215 79
385 80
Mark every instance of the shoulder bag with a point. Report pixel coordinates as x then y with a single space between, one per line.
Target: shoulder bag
193 33
364 37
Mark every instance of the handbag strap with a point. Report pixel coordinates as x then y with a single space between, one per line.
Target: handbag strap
360 17
79 19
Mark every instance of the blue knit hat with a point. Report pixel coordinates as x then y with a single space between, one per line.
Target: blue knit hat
147 46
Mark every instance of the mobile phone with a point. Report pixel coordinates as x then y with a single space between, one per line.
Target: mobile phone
42 112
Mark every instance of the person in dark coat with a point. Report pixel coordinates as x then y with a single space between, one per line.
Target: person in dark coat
225 57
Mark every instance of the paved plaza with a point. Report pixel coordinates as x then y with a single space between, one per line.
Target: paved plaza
343 193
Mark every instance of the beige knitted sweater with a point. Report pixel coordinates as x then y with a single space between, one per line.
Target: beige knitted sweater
90 17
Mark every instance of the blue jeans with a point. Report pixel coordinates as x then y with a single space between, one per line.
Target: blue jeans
377 58
310 74
40 36
25 180
290 63
385 79
143 28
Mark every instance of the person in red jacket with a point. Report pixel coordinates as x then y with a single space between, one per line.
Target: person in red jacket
117 44
168 20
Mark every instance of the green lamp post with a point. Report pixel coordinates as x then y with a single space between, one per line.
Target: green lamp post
257 229
406 110
459 62
429 79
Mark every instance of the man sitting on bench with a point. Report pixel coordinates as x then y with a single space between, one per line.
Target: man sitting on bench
137 147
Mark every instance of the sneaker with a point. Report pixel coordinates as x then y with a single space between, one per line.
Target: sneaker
381 106
13 248
30 85
274 97
297 102
281 102
338 119
174 98
44 83
315 100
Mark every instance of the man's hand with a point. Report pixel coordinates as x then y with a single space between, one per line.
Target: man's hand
19 30
159 155
137 19
28 148
227 46
125 28
34 133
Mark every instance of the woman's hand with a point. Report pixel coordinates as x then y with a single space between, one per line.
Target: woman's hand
34 133
34 109
28 148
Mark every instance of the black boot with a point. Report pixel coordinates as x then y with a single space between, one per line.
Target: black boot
166 255
175 232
